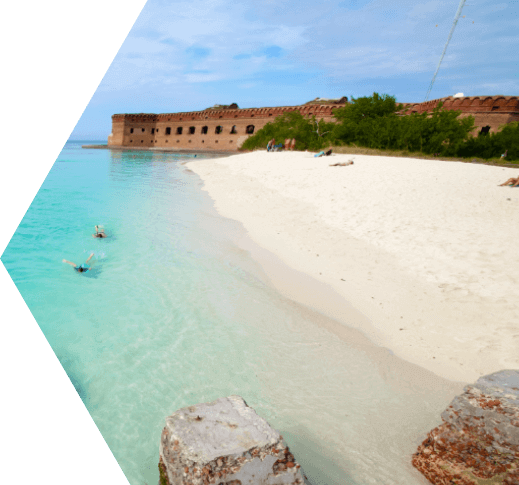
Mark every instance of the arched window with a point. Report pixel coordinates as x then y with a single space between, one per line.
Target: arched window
218 129
204 130
233 130
179 130
250 129
143 130
131 130
168 131
484 130
191 130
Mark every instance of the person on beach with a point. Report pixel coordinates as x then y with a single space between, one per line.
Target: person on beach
293 144
270 144
514 182
100 232
324 154
82 268
343 164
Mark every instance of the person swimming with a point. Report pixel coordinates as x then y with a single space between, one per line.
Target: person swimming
81 268
100 232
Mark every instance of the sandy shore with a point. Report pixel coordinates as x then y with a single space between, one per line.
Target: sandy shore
424 251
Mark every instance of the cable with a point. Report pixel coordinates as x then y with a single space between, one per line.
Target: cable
458 13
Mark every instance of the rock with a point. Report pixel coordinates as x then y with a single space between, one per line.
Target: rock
224 442
479 437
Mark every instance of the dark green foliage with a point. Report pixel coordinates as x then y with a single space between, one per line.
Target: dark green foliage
359 109
366 121
372 122
309 134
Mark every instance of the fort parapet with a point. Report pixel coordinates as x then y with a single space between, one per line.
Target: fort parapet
226 128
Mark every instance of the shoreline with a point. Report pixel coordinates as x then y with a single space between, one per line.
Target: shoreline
426 307
338 150
213 153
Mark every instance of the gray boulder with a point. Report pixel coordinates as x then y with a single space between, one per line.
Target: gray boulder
224 442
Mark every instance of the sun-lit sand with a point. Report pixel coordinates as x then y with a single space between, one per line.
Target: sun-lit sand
424 251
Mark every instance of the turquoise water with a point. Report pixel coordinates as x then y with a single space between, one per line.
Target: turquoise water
173 314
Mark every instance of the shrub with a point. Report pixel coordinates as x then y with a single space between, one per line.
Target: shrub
373 122
492 145
309 133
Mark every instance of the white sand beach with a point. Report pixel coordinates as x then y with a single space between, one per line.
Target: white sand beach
420 255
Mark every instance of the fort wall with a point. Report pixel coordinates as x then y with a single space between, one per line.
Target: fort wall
226 129
211 130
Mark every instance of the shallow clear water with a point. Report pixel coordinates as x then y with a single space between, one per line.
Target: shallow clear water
173 314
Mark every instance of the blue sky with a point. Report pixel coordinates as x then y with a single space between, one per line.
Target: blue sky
189 55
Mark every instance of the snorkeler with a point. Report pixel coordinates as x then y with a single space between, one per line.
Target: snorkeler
100 232
82 268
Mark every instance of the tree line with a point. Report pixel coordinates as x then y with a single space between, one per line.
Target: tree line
373 122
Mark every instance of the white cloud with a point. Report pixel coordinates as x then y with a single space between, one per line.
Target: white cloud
203 78
319 45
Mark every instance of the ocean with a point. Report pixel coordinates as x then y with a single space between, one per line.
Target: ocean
174 313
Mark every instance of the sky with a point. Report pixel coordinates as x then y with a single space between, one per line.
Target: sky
189 55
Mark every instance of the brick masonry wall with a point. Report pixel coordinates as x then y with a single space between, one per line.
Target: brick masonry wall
198 128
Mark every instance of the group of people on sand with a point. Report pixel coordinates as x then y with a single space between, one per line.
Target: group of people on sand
84 267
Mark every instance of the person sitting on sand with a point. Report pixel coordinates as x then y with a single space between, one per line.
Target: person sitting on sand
82 268
343 164
293 144
271 144
514 182
100 232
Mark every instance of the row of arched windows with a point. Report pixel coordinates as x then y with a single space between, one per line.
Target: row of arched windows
191 130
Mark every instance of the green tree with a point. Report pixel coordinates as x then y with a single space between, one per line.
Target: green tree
375 106
358 122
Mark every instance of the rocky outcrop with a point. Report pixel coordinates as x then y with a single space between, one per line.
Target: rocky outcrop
224 442
478 442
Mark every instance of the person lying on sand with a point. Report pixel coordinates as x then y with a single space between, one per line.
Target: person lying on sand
514 182
82 268
323 154
100 232
343 164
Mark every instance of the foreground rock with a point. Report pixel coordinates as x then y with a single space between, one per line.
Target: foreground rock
224 442
478 442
